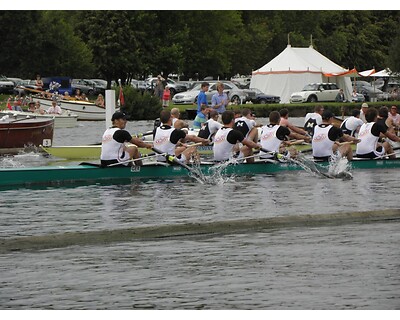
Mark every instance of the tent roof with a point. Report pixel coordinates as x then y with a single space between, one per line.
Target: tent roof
300 60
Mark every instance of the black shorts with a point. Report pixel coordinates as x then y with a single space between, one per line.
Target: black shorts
370 155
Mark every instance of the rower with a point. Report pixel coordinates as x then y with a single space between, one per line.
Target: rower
166 138
369 135
352 124
113 143
313 119
226 138
247 125
285 122
273 134
211 126
325 136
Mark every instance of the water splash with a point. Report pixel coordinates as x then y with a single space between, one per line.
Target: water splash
338 168
214 176
9 162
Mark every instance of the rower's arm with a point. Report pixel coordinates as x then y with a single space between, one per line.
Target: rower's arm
349 138
297 130
299 136
392 136
194 138
140 143
251 144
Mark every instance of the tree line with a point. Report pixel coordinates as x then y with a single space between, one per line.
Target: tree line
133 44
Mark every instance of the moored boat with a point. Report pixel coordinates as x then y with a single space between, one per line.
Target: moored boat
93 173
86 111
16 135
65 120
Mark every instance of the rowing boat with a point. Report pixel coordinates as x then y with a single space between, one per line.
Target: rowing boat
91 152
92 173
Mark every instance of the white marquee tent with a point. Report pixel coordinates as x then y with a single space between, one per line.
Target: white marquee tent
294 68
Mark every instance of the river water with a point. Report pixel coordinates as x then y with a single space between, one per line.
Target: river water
351 265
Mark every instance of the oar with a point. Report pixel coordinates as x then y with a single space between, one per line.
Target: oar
173 159
132 160
294 142
385 155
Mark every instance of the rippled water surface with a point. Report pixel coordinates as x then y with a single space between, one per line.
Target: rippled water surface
341 266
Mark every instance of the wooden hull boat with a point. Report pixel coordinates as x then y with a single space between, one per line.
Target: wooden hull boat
86 111
65 120
16 135
92 173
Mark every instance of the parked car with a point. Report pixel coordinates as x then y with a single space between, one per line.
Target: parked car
6 86
235 94
174 87
315 92
187 97
256 96
369 92
86 86
139 84
100 85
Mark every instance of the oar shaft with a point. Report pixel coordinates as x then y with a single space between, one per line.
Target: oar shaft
138 159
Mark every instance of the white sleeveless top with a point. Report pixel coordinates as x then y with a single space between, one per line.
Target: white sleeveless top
321 144
162 141
368 142
222 148
269 140
111 149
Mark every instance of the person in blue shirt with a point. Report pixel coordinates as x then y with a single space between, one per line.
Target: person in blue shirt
202 97
201 117
219 100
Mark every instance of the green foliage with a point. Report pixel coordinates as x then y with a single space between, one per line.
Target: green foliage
140 106
42 42
124 44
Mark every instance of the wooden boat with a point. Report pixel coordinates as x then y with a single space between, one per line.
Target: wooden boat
92 173
86 111
65 120
16 135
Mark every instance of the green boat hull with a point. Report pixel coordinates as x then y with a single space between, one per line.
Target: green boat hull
91 173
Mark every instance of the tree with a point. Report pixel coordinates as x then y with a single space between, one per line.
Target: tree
41 42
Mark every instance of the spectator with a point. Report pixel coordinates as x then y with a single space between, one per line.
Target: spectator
166 97
340 96
39 82
100 101
202 97
219 100
54 109
159 88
